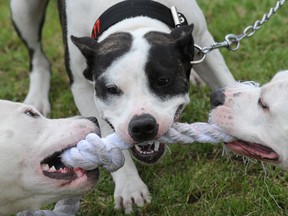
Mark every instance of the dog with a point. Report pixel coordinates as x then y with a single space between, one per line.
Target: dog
133 75
31 173
256 117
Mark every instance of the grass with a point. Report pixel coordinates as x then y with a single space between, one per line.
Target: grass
189 180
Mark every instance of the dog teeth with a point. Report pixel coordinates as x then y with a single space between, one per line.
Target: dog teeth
46 167
52 169
156 146
138 148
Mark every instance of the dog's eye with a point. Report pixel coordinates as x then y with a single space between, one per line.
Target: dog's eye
262 104
31 113
163 81
113 90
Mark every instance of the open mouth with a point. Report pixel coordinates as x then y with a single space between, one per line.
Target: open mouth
53 168
149 153
152 151
253 150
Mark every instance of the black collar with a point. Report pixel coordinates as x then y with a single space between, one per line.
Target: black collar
133 8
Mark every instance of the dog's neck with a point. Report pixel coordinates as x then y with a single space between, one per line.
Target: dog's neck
126 10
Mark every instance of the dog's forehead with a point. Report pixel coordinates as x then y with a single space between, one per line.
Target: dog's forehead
280 76
147 57
110 49
9 106
117 42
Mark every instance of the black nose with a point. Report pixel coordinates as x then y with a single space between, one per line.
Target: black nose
143 127
217 98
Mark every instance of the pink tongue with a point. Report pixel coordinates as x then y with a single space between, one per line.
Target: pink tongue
252 150
79 172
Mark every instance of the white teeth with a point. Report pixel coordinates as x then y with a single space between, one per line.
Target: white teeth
156 146
138 148
45 167
52 169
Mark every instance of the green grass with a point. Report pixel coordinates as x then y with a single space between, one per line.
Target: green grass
189 180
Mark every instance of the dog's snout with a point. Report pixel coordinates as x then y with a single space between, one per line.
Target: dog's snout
143 127
217 98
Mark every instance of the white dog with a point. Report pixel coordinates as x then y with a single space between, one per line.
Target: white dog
257 117
31 172
133 74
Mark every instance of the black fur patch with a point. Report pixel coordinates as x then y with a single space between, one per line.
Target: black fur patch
108 51
167 67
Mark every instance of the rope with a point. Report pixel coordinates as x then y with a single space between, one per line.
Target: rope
94 151
107 152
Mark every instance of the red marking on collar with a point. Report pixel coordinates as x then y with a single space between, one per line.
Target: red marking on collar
96 29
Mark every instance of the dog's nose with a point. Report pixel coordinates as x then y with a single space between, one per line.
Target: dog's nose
143 127
217 98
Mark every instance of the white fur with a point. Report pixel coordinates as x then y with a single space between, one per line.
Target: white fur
25 141
81 16
243 117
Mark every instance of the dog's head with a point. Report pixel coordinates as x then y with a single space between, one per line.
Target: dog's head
31 171
258 117
141 82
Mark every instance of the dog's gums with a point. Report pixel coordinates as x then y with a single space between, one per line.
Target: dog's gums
253 150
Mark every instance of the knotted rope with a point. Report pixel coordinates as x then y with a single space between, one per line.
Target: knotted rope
95 151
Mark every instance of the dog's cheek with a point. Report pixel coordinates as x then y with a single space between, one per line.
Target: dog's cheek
222 116
164 125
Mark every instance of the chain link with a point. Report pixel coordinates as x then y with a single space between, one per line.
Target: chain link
232 41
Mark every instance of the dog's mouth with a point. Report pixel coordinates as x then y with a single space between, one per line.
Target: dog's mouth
149 153
53 168
152 151
253 150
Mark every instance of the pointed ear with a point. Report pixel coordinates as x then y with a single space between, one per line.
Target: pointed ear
86 45
88 48
184 40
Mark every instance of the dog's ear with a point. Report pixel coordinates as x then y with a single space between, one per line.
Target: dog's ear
184 40
86 45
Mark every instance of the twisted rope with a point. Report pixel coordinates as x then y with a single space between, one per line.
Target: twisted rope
107 152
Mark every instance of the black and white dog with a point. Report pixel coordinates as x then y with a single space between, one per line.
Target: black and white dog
133 74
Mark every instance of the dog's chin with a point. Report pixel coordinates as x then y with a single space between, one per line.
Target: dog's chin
149 153
253 150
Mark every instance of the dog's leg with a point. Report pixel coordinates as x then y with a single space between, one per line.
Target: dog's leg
28 18
129 187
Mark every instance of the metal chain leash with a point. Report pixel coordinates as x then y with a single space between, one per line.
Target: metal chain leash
232 41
